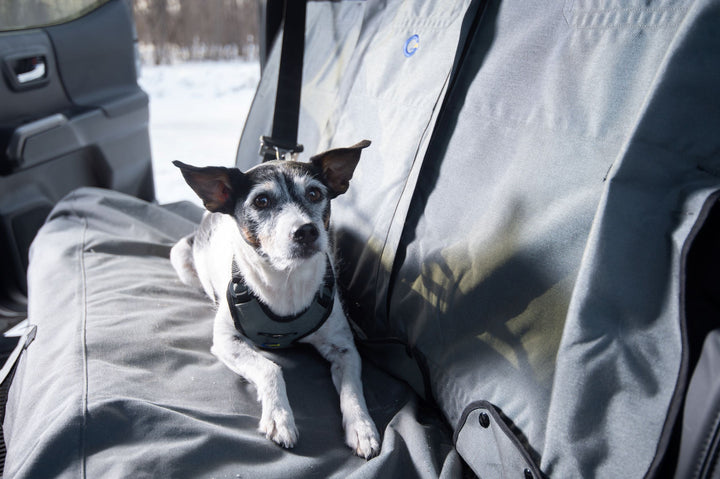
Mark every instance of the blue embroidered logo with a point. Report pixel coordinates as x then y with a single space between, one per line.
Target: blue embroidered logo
411 45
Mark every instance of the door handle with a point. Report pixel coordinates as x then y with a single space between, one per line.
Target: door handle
30 69
25 71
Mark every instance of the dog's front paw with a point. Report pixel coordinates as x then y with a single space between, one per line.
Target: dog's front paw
363 438
278 425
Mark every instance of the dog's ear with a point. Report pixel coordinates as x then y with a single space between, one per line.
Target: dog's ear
337 166
213 184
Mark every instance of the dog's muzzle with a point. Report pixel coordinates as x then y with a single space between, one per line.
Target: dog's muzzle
305 241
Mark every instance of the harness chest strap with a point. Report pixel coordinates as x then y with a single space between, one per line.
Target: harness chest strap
266 329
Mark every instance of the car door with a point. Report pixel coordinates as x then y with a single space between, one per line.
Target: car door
71 115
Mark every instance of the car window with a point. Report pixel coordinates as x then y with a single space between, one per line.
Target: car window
22 14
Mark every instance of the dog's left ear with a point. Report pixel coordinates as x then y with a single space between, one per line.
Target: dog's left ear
338 165
213 184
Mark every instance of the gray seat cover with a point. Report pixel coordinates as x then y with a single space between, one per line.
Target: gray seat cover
514 245
520 220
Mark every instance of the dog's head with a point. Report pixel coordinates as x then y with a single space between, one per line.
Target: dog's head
282 208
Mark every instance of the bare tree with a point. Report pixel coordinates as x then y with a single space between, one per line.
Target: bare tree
197 29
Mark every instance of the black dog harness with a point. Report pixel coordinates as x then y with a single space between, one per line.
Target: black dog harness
266 329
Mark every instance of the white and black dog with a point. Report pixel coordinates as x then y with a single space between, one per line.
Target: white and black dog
263 255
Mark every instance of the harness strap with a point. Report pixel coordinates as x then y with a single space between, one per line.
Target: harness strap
267 330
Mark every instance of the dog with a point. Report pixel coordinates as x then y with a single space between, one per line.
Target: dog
264 248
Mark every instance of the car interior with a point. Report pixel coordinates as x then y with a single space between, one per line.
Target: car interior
527 248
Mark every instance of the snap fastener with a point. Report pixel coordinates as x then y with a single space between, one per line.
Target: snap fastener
528 473
484 419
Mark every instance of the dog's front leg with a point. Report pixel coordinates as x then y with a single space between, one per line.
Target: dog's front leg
335 343
277 421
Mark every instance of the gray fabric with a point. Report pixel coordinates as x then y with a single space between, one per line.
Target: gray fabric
701 419
482 430
557 298
357 81
525 239
119 381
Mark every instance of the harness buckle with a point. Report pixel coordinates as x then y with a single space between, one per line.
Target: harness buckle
274 150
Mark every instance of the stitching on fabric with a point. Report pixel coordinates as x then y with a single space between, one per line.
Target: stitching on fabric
508 121
594 18
83 337
644 26
594 11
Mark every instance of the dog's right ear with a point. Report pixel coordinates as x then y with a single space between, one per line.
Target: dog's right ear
213 184
337 166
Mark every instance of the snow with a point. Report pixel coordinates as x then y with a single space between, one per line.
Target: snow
197 113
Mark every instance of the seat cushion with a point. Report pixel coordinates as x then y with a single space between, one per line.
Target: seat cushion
119 381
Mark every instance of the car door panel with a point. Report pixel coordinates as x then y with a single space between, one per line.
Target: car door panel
71 115
95 55
21 103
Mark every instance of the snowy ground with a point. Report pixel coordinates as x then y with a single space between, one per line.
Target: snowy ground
197 112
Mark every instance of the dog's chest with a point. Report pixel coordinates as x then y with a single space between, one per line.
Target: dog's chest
255 320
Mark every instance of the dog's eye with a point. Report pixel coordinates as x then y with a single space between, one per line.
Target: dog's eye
261 201
314 194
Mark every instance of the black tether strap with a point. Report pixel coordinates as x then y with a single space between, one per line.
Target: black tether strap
287 98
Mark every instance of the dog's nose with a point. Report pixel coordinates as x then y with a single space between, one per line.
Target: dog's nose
306 234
